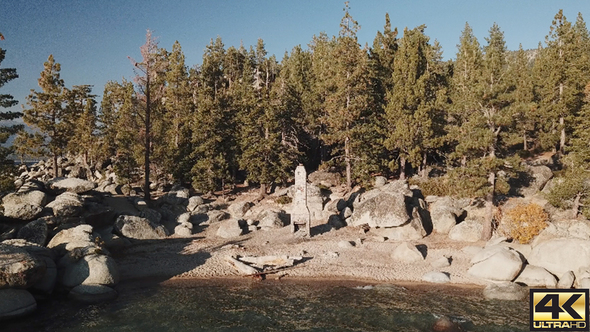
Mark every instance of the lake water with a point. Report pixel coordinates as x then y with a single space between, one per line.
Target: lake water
273 305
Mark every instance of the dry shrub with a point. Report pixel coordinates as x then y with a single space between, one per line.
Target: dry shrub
525 221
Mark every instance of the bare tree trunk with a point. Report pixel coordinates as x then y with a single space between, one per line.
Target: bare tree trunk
486 232
262 192
347 160
424 159
146 186
55 166
576 206
562 136
402 168
525 147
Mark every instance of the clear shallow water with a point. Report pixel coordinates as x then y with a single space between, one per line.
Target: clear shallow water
277 306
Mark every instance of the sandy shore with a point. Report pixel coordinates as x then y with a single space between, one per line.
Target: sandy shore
203 256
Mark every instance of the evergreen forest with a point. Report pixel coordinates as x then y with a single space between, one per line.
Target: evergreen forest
395 108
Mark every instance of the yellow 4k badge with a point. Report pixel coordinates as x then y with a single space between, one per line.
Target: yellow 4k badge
559 309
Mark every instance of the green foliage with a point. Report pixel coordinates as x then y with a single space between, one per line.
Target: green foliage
214 138
571 190
178 112
525 221
561 72
414 104
284 200
7 168
48 115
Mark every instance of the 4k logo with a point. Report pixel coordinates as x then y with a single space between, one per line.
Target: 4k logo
559 310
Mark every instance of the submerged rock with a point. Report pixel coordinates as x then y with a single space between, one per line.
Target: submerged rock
16 303
505 291
91 269
92 293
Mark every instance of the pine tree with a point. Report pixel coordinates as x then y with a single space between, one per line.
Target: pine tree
381 63
346 107
6 100
265 156
413 107
179 108
295 107
213 126
118 120
522 99
481 113
81 116
561 74
322 85
46 112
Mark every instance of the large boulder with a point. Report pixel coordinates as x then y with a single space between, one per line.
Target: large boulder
383 210
139 228
68 204
16 303
238 209
18 268
444 214
35 232
183 230
73 185
467 231
561 255
193 203
496 263
315 202
566 281
229 229
90 269
414 230
540 176
31 197
22 211
535 276
79 234
407 253
270 219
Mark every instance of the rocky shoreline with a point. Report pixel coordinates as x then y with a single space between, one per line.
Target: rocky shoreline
82 237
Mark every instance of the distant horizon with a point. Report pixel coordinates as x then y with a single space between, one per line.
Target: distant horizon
91 41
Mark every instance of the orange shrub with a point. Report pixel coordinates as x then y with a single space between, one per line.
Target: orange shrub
525 221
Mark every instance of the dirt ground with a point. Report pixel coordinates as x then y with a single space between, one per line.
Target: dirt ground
324 257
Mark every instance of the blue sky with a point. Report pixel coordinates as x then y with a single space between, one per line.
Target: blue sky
92 39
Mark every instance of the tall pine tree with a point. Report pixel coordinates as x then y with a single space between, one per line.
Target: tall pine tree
346 106
7 130
47 113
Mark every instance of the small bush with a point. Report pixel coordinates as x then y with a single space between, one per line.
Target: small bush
525 221
438 186
284 200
